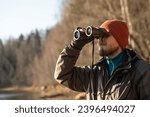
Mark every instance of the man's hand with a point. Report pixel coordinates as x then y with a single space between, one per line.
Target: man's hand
80 38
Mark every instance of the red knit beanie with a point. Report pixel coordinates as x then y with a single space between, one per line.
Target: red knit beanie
119 30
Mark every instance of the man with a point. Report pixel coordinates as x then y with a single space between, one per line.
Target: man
120 74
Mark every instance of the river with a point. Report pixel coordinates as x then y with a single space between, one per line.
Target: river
22 95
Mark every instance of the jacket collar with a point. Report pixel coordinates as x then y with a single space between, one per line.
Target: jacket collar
131 56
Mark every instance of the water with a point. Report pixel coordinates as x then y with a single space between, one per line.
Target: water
7 95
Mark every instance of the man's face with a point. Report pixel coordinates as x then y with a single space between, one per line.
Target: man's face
108 46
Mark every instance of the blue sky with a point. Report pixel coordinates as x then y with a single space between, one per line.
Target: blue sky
23 16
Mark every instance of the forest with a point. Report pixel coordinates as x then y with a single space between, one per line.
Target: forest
30 59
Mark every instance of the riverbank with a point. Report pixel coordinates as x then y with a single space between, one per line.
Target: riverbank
57 92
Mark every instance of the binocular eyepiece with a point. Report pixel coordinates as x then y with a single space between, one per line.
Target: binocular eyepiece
90 31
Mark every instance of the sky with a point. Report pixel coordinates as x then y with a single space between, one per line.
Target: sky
24 16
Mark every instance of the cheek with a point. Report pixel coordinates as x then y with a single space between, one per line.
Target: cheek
108 44
109 48
112 44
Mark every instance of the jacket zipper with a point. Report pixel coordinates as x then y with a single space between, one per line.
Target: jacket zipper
112 77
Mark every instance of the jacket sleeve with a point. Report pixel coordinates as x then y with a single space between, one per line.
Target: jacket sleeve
66 73
143 82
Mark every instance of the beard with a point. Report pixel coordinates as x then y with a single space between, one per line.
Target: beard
104 51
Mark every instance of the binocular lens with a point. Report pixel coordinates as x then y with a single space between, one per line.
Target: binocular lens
76 34
89 31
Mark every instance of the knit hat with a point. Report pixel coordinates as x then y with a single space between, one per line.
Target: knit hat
119 30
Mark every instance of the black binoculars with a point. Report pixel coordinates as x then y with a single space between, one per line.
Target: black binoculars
90 31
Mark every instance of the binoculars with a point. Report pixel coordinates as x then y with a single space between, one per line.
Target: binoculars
90 31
